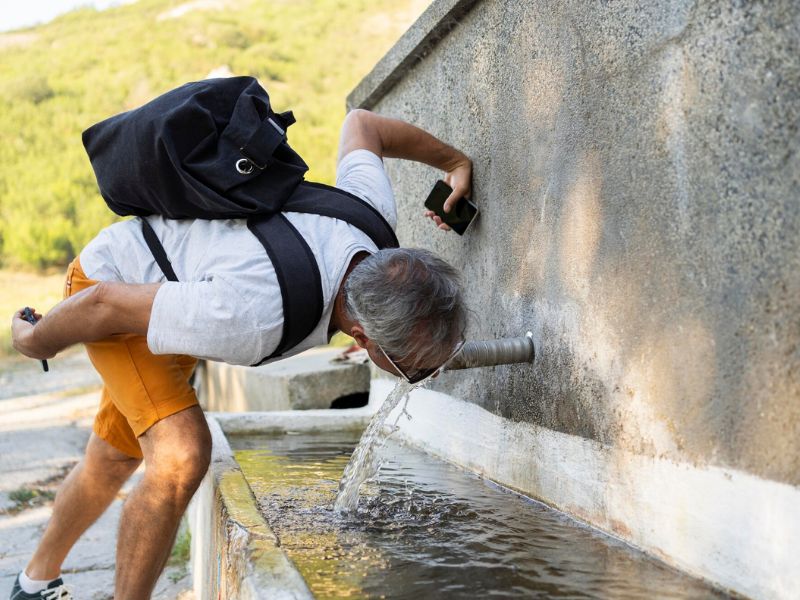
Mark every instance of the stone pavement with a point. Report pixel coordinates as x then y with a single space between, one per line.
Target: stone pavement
45 421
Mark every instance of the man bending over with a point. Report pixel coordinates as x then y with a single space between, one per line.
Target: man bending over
144 336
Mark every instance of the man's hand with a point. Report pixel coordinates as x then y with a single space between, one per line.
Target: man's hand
458 177
95 313
393 138
22 335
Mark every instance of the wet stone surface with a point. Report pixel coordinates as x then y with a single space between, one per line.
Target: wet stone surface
424 528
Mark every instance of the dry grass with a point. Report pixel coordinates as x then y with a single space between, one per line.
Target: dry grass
41 292
10 40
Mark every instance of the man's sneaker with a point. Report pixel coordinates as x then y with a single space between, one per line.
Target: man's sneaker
55 591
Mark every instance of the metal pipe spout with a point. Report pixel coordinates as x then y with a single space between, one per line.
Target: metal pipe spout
489 353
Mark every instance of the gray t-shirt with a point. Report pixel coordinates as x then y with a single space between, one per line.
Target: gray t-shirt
227 303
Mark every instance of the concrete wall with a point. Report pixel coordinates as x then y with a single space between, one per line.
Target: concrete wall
637 170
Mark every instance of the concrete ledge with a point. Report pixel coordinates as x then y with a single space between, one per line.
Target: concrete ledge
234 552
433 25
733 529
307 421
306 381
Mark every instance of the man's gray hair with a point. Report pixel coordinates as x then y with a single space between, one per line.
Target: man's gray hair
409 301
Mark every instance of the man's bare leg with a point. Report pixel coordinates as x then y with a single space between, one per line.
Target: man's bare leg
177 451
82 498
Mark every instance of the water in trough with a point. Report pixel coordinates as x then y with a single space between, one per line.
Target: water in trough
426 529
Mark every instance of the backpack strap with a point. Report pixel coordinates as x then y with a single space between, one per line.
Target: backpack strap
298 276
294 262
157 249
328 201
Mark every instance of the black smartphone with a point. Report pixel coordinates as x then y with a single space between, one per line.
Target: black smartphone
460 216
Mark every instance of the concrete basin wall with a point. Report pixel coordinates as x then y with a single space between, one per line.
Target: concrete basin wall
309 380
638 175
234 554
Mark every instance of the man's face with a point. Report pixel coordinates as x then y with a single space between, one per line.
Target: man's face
416 368
380 360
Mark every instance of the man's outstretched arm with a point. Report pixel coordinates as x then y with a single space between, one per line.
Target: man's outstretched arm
93 314
393 138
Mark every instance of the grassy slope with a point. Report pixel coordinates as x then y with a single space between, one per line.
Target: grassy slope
59 78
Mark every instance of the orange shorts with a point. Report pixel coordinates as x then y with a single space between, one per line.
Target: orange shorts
139 388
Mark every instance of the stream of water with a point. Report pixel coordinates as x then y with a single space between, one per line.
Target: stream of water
363 462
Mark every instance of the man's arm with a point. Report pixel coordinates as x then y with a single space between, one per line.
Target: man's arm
393 138
93 314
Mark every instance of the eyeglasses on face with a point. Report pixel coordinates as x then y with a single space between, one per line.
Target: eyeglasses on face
418 374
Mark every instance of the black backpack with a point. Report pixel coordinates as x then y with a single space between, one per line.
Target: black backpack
215 149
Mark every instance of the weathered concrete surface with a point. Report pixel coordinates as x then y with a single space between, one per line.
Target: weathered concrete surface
89 568
41 437
234 552
638 174
305 381
434 24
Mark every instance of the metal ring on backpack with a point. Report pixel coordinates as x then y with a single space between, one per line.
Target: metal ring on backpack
245 166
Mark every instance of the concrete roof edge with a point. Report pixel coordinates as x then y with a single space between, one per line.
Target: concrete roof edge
430 28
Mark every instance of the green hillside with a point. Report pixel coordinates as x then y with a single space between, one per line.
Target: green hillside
59 78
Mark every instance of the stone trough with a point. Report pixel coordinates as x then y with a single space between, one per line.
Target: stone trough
235 554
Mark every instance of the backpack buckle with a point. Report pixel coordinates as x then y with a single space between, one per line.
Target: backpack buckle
245 166
259 148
